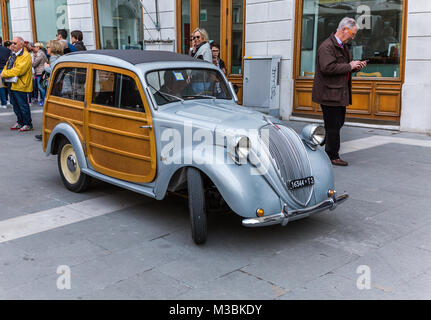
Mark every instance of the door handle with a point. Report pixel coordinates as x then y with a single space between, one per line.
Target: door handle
147 127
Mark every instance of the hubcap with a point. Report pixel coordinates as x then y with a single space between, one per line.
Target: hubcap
69 165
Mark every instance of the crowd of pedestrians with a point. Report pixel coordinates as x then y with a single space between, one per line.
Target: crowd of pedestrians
25 69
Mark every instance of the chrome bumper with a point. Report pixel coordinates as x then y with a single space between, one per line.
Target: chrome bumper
286 216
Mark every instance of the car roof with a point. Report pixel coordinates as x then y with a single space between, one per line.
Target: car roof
137 56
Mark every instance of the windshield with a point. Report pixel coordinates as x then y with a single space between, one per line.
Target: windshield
170 85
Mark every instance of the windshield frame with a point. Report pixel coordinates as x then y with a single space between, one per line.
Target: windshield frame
221 76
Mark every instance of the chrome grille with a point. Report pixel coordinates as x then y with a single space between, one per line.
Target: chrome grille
290 158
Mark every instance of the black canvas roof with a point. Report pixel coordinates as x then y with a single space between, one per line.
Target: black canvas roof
140 56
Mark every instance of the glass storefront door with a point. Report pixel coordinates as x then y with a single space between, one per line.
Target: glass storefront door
209 19
46 26
120 24
224 22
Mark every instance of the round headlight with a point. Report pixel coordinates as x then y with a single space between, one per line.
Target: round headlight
242 148
318 135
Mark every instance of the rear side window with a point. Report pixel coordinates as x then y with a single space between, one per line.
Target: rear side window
69 83
116 90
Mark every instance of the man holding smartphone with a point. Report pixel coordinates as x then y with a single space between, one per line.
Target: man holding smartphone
332 87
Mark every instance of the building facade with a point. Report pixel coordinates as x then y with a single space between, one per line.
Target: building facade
393 90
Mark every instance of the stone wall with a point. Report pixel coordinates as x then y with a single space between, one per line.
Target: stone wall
269 31
416 95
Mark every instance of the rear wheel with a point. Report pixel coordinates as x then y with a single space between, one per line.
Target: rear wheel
198 215
69 169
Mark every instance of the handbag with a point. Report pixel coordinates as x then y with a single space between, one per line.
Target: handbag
44 80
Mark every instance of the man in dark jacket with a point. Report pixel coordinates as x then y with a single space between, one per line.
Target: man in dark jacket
332 87
4 56
62 36
76 37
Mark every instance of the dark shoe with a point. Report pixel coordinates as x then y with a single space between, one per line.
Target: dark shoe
339 162
38 137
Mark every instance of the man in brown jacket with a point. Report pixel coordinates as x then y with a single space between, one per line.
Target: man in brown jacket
332 87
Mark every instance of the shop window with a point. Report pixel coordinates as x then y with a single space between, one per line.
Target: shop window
378 39
116 90
69 83
120 24
46 25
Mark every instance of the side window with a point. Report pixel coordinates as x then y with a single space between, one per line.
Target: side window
69 83
116 90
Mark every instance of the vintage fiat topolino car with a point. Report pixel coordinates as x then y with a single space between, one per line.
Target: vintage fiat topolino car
157 122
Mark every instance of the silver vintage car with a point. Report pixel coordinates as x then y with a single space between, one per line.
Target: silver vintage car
155 122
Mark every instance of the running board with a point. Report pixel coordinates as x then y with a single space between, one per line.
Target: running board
138 188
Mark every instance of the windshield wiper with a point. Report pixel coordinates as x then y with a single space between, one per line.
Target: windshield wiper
164 95
199 96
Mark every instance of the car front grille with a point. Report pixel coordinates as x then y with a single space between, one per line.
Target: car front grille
290 157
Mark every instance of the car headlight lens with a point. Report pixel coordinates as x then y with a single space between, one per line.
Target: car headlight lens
313 134
318 135
242 148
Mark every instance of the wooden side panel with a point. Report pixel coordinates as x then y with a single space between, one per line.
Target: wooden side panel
388 100
362 98
303 96
117 146
371 100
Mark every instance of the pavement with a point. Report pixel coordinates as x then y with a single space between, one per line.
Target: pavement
109 243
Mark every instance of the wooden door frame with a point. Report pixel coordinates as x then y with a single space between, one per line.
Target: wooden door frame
5 20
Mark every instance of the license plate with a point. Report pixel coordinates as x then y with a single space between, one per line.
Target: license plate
299 183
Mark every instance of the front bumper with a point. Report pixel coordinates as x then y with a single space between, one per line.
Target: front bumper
286 216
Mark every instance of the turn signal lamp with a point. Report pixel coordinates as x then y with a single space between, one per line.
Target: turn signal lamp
259 212
331 193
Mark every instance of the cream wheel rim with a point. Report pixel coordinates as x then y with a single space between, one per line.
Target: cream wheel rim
69 164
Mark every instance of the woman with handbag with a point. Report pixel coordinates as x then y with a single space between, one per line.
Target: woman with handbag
39 61
55 50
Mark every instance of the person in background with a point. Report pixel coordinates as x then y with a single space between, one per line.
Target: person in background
76 38
55 50
32 96
215 51
39 61
332 87
4 56
201 48
7 44
62 36
18 74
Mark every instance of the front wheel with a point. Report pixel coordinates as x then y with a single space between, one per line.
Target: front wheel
198 215
71 175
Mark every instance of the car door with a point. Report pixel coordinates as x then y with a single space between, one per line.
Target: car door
120 141
64 101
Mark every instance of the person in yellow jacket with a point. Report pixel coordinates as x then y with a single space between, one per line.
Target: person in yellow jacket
18 75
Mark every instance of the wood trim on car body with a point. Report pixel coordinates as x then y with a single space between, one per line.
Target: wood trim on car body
68 111
128 126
